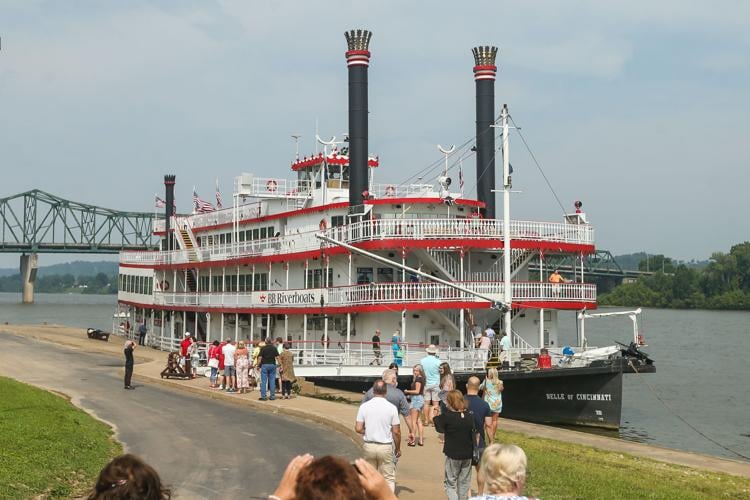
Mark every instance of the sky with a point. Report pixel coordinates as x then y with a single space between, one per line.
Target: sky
638 109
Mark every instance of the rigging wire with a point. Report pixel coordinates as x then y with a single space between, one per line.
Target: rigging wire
673 412
533 157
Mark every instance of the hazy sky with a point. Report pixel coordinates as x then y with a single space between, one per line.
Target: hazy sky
637 108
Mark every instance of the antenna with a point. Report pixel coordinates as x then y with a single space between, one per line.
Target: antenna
296 143
447 153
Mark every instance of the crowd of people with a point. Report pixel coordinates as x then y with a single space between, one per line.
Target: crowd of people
466 425
241 366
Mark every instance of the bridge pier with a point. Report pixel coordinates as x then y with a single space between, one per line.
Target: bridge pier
29 265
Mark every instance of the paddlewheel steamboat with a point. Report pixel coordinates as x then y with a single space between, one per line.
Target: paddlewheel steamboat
328 257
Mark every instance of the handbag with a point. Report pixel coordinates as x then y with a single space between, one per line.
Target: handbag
477 451
213 363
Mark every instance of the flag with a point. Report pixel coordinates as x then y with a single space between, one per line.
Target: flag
201 206
219 201
161 204
461 176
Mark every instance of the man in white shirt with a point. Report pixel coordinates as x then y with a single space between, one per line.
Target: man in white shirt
229 370
378 422
490 333
505 345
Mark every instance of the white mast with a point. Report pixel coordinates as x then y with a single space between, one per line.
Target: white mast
507 292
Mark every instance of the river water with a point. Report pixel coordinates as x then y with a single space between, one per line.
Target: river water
700 358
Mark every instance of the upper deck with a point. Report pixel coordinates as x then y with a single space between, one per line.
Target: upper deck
378 234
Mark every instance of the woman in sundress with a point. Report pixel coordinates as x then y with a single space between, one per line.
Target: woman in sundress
493 394
242 365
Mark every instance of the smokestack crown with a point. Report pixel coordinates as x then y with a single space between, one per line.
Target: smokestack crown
358 43
358 39
484 62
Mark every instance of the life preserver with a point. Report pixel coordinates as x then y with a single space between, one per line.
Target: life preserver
323 225
271 186
390 191
164 285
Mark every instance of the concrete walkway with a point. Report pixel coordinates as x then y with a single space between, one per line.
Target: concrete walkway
420 469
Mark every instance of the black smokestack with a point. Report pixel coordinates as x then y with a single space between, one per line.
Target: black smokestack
169 208
357 59
484 76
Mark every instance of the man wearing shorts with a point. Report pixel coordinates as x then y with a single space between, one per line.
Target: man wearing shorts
230 372
431 365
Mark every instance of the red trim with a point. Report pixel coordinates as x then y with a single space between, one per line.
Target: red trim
485 68
405 201
374 308
333 159
387 244
280 215
341 204
357 53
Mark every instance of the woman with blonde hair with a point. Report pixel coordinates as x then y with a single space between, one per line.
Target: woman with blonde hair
457 424
416 391
242 364
503 471
493 394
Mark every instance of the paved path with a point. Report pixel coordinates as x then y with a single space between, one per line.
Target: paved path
203 448
420 470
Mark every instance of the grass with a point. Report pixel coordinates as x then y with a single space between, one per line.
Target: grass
49 448
560 470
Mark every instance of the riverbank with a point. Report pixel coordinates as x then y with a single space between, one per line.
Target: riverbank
38 432
600 465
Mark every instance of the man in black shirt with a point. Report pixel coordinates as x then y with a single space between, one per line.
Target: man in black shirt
482 417
376 349
129 348
269 358
142 330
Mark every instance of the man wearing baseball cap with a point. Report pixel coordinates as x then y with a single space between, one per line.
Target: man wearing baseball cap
431 364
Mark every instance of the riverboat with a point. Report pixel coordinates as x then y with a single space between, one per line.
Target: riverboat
325 259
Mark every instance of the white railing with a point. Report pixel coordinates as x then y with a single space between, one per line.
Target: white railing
271 187
403 191
341 353
426 229
379 293
410 229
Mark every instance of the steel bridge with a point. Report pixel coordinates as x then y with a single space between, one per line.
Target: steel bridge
38 222
600 264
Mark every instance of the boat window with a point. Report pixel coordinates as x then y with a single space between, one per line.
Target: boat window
315 278
261 281
385 275
364 275
263 233
241 236
256 234
229 238
337 220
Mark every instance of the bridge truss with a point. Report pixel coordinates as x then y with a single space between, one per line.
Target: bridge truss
36 221
600 264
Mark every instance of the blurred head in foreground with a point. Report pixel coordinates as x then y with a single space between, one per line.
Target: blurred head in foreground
128 477
503 469
329 478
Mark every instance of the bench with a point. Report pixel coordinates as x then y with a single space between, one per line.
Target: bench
96 334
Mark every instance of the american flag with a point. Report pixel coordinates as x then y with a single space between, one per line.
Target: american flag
201 206
219 201
161 203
